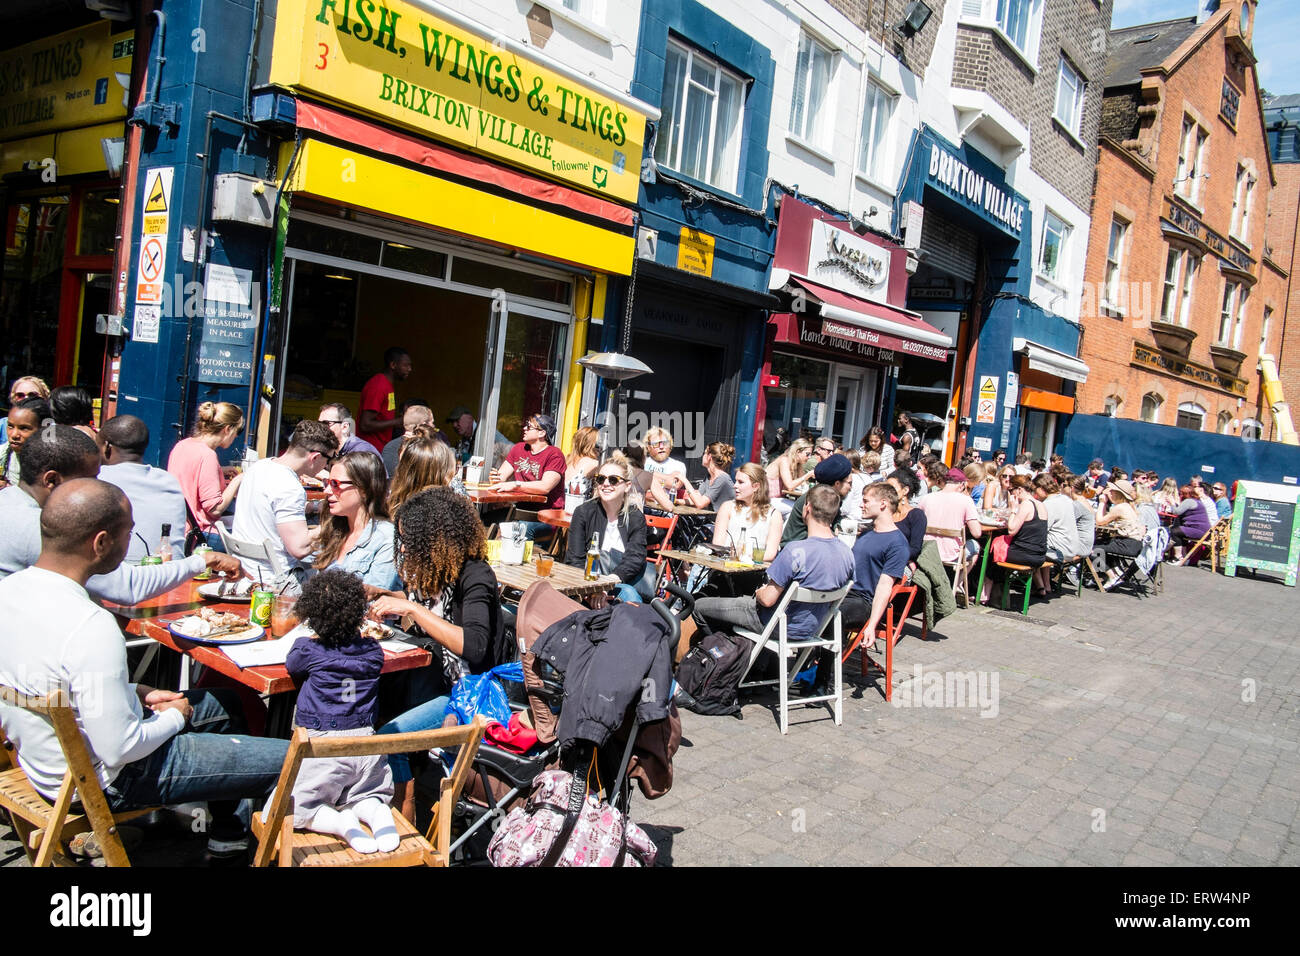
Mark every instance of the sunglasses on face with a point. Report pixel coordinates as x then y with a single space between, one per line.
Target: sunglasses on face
659 444
612 480
21 396
330 421
335 485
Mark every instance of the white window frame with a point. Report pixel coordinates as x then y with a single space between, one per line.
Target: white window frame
1155 407
1114 262
814 125
1191 409
1072 117
1264 329
873 153
1227 313
1191 159
995 15
1063 251
1177 286
729 179
1110 407
1241 196
1224 423
1243 296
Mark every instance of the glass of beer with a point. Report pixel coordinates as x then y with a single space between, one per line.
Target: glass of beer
544 564
284 614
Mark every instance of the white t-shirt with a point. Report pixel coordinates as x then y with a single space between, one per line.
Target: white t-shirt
669 466
269 495
56 637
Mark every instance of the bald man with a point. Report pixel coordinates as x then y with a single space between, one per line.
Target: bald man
155 494
148 746
59 453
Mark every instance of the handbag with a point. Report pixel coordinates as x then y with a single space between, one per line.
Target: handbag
561 824
193 536
1000 546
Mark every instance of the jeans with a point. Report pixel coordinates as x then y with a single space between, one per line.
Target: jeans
725 614
426 716
213 759
214 541
628 594
1119 547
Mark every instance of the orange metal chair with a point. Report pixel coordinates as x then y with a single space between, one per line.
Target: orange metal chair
890 629
667 524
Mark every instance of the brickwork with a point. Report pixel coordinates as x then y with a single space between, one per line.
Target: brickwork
1119 115
1141 193
913 52
985 61
1284 239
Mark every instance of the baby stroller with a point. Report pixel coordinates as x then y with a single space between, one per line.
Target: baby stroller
637 749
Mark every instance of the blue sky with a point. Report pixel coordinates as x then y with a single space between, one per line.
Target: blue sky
1275 34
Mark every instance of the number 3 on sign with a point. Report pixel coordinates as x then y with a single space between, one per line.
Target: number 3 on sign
324 52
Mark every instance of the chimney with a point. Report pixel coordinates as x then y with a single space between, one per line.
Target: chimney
1208 8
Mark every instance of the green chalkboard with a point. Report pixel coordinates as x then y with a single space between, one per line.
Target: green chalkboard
1265 532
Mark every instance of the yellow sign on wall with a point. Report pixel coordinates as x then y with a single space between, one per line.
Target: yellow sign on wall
695 252
406 65
74 79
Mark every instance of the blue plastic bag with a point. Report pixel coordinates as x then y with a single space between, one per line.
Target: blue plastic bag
483 694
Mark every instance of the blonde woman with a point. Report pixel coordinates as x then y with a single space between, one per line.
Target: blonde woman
193 462
786 474
750 517
21 389
618 528
424 462
997 494
580 465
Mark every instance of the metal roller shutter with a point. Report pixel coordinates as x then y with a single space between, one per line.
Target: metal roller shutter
948 247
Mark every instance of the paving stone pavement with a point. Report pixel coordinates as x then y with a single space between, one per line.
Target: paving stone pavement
1128 731
1158 731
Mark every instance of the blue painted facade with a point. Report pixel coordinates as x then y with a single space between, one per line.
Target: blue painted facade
200 75
743 237
980 199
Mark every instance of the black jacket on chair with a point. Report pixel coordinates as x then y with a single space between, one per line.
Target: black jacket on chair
588 519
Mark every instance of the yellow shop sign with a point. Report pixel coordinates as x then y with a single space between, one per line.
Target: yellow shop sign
74 79
399 62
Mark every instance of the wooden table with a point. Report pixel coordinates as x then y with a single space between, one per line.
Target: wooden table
711 563
485 495
151 619
555 517
565 579
987 533
691 510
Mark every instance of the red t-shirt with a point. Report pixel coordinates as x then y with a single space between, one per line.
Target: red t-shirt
530 467
377 395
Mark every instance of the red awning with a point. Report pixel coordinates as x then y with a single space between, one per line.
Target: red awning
847 317
349 129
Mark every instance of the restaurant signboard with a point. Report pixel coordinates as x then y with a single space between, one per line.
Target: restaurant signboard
403 64
1265 530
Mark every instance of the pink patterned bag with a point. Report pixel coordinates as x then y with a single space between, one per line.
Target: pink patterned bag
552 829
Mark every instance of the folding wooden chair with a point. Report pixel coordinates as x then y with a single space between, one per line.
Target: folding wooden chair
45 829
277 837
901 599
775 637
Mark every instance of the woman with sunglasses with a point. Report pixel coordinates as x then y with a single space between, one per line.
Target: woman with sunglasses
355 534
618 527
22 388
997 495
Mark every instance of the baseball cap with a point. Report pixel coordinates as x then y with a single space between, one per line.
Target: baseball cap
458 411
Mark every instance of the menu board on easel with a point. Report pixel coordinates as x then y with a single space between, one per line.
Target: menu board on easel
1265 530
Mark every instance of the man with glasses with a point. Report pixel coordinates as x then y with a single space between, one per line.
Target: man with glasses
534 465
272 503
824 448
339 418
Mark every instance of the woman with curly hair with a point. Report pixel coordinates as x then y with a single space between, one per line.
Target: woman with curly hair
355 533
451 595
424 462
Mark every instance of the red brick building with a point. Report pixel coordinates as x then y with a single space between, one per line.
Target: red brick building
1181 296
1282 118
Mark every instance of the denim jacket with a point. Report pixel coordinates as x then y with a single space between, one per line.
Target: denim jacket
372 560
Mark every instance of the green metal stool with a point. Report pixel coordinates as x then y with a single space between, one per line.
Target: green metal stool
1017 574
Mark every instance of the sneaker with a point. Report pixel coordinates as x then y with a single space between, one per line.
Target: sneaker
87 844
1112 580
227 842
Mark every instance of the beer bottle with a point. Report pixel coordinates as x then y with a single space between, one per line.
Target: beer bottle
593 559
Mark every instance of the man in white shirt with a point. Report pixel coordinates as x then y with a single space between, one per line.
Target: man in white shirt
56 639
272 503
59 453
155 495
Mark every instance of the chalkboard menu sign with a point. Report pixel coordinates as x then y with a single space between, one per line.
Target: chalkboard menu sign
1265 533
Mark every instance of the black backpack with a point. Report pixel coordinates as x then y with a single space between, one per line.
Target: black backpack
708 677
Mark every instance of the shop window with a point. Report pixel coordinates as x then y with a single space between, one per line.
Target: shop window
1191 415
1225 423
404 258
487 275
1056 235
97 233
312 237
1191 159
700 126
877 111
1069 97
30 293
797 406
1114 262
1151 403
811 102
1181 267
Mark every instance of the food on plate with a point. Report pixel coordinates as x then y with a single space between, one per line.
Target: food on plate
375 630
220 618
241 588
207 622
314 483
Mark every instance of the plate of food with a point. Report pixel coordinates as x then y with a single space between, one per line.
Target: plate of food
311 483
215 627
241 590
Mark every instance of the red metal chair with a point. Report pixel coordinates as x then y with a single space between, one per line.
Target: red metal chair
667 524
891 628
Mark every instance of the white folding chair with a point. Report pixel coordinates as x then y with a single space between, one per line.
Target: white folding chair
250 551
775 637
961 567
